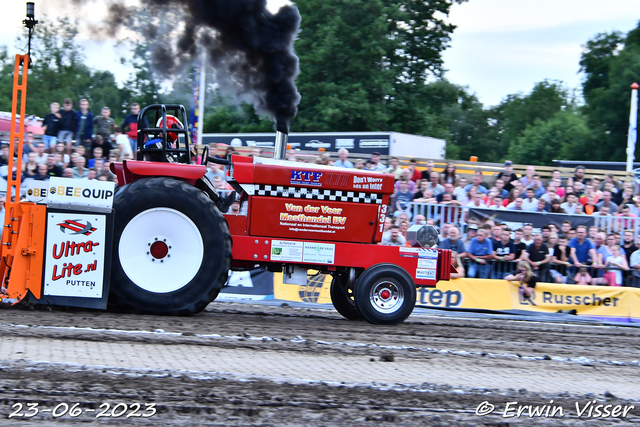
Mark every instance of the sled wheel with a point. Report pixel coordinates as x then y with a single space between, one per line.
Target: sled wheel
385 294
171 248
342 299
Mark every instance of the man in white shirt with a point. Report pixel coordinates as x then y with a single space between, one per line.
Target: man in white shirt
527 237
530 203
570 205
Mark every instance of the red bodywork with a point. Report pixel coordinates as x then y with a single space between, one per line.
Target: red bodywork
312 216
296 208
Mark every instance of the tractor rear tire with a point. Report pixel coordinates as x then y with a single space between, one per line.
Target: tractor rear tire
342 299
385 294
171 248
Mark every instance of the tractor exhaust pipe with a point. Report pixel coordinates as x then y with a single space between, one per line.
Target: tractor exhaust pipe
280 149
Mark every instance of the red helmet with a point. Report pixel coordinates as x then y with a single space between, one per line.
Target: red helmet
172 123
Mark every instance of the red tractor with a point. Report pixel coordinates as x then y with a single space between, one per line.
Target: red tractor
163 242
174 241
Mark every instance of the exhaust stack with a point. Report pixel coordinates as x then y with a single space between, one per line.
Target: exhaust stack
280 148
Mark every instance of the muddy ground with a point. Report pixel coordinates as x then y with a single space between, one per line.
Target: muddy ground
187 398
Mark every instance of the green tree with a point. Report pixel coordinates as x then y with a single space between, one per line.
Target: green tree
563 136
364 63
611 63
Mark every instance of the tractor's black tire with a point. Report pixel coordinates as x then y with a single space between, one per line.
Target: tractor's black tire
369 291
342 299
182 200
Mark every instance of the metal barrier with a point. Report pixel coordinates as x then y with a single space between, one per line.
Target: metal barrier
494 269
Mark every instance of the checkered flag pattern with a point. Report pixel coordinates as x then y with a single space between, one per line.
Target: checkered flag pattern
317 194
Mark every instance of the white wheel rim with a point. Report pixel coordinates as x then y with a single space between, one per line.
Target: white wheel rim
185 254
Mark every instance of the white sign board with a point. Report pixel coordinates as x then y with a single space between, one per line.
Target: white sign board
284 250
81 192
37 190
319 253
74 263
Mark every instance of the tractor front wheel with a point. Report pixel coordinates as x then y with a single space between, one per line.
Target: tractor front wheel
171 248
385 294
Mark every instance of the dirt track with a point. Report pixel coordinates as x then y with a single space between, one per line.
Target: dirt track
459 363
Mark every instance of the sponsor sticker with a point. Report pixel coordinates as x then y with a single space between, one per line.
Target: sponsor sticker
422 273
345 143
37 190
427 253
81 192
408 252
319 253
374 143
306 178
427 263
284 250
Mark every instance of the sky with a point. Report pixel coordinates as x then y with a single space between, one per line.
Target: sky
499 47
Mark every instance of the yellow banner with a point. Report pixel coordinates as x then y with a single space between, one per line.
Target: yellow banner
601 302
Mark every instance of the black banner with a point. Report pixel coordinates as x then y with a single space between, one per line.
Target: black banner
516 219
354 142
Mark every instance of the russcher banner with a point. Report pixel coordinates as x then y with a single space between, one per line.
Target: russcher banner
598 302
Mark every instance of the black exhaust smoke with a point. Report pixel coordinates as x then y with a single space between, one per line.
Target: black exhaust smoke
249 47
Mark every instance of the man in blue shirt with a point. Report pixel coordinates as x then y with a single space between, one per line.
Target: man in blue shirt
453 241
584 250
342 161
480 251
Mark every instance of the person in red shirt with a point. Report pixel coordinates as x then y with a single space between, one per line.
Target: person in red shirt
416 175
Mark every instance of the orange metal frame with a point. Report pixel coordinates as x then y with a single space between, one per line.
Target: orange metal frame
22 249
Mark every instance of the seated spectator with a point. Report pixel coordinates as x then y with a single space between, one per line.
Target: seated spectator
537 254
453 241
603 211
625 197
609 178
448 214
480 250
403 198
99 142
404 226
411 186
434 184
541 206
394 168
457 269
517 205
588 192
52 168
503 250
449 175
537 186
67 173
476 181
426 174
500 188
590 208
448 188
525 278
359 164
419 219
527 179
582 277
415 175
511 198
615 265
634 207
578 189
550 195
394 238
426 197
342 161
80 171
476 201
30 167
530 203
97 155
43 173
570 205
560 260
606 201
41 155
497 202
556 207
460 192
578 176
508 172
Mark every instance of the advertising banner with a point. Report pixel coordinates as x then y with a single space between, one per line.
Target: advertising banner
75 254
516 219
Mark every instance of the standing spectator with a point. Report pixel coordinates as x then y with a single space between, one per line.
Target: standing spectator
508 169
635 207
527 237
449 175
480 251
84 124
394 238
457 269
377 164
578 176
342 161
527 280
68 124
130 126
50 124
453 241
123 144
560 260
472 232
104 124
503 250
518 243
635 265
582 277
615 264
537 254
628 246
565 227
584 251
